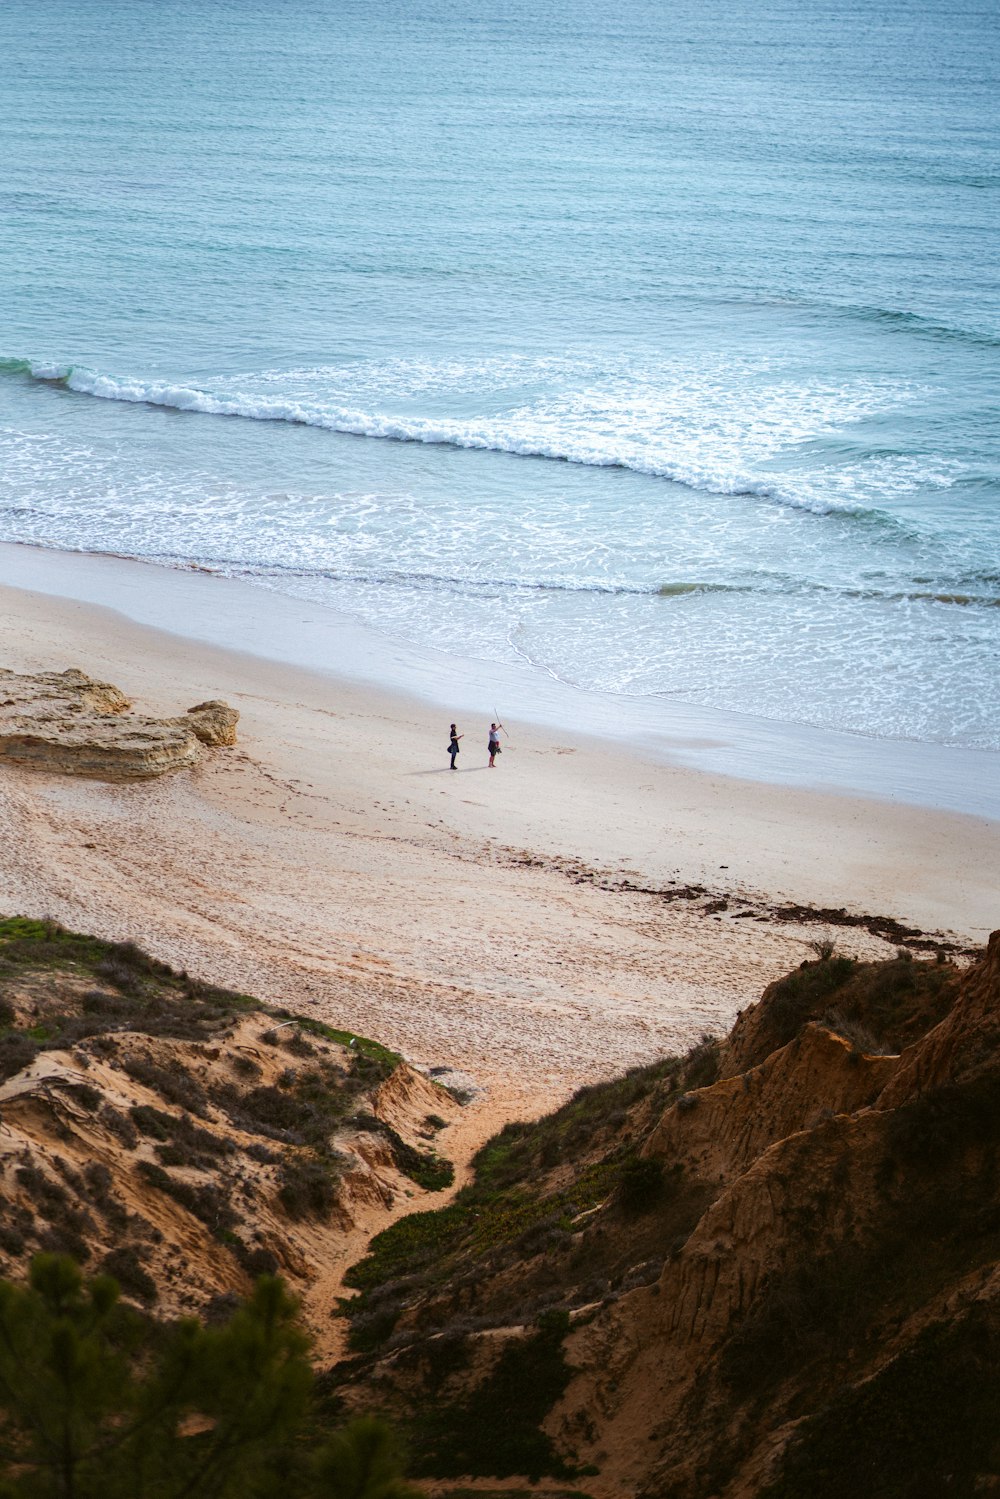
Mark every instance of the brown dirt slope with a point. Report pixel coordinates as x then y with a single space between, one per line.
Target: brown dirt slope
185 1138
768 1268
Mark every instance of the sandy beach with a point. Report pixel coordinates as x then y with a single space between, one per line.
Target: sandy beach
581 908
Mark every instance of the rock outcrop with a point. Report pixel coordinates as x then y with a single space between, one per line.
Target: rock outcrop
68 723
213 722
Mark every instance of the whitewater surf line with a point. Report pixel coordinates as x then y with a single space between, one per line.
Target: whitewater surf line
498 435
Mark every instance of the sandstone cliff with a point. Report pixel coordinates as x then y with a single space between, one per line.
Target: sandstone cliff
769 1268
187 1139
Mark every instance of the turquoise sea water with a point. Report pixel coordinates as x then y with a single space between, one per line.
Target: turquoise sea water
655 346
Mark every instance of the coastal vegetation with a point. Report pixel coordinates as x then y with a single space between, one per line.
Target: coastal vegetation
185 1138
796 1227
792 1228
99 1401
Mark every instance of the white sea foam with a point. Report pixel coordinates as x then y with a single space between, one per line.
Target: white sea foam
709 428
667 591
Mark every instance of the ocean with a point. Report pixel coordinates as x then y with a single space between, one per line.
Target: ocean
652 347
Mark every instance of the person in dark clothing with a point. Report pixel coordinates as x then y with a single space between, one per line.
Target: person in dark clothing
453 745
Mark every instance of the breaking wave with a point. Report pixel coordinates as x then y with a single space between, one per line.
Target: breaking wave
633 426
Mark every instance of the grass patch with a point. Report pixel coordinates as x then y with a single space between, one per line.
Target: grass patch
140 994
147 995
372 1051
408 1246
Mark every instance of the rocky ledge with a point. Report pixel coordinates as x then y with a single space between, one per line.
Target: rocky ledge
66 722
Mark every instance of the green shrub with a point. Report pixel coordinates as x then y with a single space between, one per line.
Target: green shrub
426 1168
641 1184
126 1267
496 1431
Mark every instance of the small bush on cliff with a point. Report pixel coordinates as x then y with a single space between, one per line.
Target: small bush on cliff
701 1065
800 997
861 1039
304 1109
174 1083
207 1202
889 1004
308 1186
127 1268
119 1125
641 1184
17 1051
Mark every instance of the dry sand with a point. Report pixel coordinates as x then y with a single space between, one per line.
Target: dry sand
477 921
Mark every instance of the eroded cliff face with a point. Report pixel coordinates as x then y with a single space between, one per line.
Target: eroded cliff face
784 1281
67 723
859 1207
186 1139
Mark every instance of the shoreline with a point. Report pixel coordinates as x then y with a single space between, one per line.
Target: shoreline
217 610
535 928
